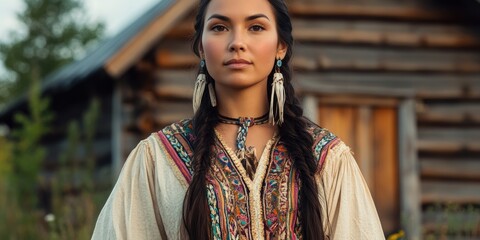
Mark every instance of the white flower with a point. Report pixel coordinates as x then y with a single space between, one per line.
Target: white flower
50 217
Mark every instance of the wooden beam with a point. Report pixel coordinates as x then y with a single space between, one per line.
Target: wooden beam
143 41
170 59
454 169
310 107
449 140
453 113
364 144
410 209
117 131
450 192
358 100
388 84
398 13
384 38
311 57
386 174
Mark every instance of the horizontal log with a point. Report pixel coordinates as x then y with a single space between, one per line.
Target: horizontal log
456 169
385 38
424 86
356 100
355 58
171 59
453 113
448 140
365 11
450 192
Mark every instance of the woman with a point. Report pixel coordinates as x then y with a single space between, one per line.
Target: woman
204 179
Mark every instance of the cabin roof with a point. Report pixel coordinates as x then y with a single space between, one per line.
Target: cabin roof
95 61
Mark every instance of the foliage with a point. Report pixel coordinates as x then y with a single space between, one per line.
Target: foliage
74 198
23 160
74 207
54 33
452 221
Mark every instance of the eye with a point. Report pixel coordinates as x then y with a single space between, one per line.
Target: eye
219 28
257 28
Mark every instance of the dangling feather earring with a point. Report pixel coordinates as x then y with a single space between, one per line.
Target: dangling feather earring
278 90
199 87
213 97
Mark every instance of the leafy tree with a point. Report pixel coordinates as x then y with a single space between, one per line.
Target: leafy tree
54 33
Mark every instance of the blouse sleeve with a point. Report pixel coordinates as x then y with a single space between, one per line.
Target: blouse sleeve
347 206
131 211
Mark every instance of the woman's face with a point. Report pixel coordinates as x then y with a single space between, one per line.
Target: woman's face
240 42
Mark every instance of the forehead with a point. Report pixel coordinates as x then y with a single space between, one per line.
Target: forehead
239 8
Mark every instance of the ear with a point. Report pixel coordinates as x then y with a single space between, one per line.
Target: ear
200 50
281 49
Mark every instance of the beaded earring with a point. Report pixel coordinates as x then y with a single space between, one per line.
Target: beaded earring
278 90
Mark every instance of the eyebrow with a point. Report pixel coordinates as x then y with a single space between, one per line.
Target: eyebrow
249 18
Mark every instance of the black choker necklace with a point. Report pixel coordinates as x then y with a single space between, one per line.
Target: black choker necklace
250 121
243 124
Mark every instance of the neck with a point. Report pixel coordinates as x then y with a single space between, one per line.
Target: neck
249 102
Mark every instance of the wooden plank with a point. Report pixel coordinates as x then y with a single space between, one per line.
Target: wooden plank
461 135
410 209
174 84
340 121
170 59
310 107
450 192
449 112
356 58
455 169
393 39
117 129
386 167
167 112
357 100
175 53
146 39
431 86
364 146
365 11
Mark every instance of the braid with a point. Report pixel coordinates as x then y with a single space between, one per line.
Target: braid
196 215
299 142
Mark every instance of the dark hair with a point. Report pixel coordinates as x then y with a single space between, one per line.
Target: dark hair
293 134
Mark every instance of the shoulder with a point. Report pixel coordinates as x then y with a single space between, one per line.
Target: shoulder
174 143
323 142
183 127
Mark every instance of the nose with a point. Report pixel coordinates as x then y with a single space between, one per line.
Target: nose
238 43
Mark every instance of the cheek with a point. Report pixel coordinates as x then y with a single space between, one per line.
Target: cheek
213 49
266 51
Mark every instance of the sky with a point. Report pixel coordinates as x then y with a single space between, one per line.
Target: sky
116 14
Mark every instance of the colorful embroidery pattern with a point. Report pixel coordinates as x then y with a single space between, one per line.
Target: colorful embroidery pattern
176 139
234 197
227 194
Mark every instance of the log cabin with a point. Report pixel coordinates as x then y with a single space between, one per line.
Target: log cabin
397 80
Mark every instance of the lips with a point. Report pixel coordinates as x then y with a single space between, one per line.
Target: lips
237 63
